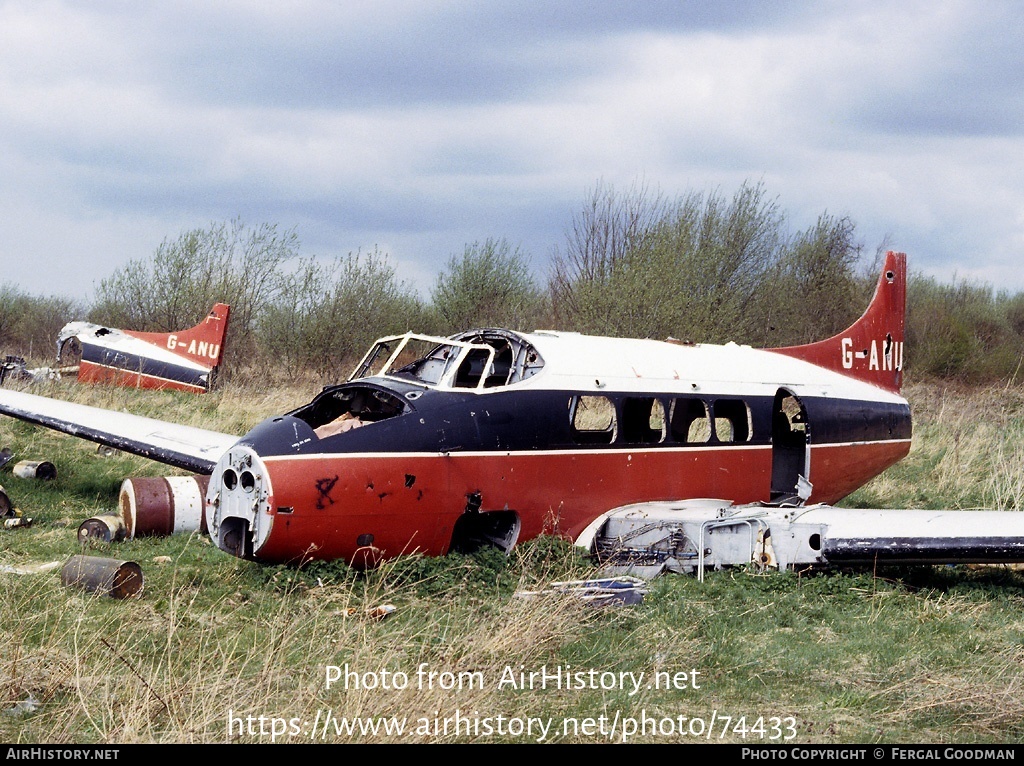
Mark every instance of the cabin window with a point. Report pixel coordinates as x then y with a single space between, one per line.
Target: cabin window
732 420
643 420
690 421
592 419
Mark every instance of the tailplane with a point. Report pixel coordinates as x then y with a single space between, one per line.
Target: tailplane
871 349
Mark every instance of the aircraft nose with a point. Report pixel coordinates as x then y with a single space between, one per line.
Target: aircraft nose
238 509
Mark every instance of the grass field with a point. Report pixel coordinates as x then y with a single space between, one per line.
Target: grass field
218 649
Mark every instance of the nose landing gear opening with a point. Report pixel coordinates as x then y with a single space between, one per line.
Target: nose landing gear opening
234 538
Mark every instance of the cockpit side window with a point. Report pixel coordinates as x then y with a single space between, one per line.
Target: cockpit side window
431 367
514 359
343 409
473 368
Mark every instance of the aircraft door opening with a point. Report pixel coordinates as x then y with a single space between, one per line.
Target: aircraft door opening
790 453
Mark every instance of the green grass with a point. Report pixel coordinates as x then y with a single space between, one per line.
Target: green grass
930 654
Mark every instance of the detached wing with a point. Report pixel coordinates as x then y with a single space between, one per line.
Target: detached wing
193 449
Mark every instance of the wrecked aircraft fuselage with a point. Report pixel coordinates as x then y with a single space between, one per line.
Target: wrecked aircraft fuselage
186 360
480 439
494 436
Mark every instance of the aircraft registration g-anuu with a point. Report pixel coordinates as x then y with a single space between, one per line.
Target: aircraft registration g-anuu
495 437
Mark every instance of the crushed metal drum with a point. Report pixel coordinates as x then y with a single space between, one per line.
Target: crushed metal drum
117 579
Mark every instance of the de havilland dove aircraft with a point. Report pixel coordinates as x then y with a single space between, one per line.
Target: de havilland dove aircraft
439 444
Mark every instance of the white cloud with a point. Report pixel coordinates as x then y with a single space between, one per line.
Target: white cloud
420 128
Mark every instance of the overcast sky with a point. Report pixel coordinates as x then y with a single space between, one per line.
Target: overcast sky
419 127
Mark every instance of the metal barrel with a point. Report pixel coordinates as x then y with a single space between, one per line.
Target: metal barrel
106 528
117 579
35 469
163 505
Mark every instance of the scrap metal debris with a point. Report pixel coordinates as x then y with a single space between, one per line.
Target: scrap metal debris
376 613
48 566
604 591
695 536
35 469
27 706
117 579
16 368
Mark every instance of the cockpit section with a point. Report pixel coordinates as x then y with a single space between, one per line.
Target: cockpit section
470 360
477 359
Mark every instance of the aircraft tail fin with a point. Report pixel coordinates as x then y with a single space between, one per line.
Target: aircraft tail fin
871 349
202 344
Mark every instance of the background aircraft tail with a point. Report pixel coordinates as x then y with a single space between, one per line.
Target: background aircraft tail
186 360
202 344
871 349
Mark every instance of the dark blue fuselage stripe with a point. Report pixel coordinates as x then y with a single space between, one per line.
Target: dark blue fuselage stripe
133 363
515 421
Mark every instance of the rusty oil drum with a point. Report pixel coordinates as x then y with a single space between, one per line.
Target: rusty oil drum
106 528
163 505
117 579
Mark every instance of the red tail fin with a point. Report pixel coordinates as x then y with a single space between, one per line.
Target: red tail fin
871 349
202 344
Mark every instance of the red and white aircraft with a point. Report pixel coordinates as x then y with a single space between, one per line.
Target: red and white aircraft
438 444
186 360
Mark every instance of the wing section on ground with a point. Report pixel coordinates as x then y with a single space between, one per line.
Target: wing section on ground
187 447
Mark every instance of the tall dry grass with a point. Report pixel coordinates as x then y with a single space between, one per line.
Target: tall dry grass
967 450
220 650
